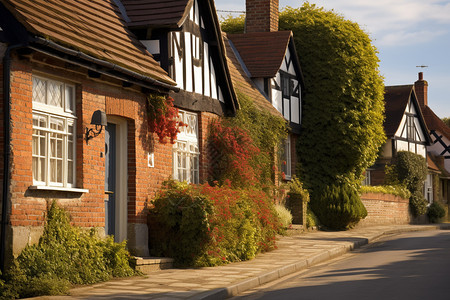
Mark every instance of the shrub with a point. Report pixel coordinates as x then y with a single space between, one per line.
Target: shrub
410 170
311 219
418 203
163 118
203 225
284 215
435 212
396 190
338 207
65 255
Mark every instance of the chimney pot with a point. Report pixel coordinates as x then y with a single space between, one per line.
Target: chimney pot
420 75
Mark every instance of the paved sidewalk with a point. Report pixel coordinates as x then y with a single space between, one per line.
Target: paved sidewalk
294 253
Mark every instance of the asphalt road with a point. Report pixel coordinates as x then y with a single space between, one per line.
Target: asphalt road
407 266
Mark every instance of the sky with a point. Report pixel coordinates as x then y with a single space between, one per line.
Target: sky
406 33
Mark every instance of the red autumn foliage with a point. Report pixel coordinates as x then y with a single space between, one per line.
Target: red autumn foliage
163 118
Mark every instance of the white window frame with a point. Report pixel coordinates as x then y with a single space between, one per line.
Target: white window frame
428 189
287 168
367 178
187 148
44 136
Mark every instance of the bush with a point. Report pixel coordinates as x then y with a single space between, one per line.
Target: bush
311 219
202 225
65 255
435 212
338 207
284 215
410 170
418 204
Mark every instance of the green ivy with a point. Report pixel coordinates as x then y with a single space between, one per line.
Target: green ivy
266 132
342 125
410 170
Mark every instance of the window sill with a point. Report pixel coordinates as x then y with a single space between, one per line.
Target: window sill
55 188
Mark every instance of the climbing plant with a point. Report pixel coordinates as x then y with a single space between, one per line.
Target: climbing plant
163 118
245 144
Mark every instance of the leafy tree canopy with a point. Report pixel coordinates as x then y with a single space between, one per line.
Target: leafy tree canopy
343 109
232 24
446 121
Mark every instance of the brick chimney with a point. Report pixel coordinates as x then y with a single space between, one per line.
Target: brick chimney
261 15
421 87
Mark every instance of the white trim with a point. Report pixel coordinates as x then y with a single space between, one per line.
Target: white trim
121 217
55 188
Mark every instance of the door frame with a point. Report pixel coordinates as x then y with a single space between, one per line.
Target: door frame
121 145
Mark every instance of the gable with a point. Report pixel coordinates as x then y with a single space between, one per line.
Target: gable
412 133
194 56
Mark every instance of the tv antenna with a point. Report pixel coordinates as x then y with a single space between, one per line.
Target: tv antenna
422 66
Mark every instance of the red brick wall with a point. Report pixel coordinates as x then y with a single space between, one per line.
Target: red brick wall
385 209
204 121
28 207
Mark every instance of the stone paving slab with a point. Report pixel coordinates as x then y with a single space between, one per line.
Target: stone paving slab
294 253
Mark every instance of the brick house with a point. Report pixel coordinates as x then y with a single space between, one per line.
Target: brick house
405 130
439 150
269 59
60 64
98 55
185 38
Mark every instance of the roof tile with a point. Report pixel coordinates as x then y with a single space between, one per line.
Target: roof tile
262 52
94 27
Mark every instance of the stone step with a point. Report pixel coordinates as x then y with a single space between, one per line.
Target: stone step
150 264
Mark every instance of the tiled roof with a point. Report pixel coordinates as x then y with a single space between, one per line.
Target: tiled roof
262 52
245 85
93 27
396 99
435 123
432 165
156 12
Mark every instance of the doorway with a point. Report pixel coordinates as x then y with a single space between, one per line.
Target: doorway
116 175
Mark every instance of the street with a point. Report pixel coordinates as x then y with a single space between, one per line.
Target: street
406 266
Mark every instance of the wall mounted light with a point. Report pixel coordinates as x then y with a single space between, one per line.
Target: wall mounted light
99 120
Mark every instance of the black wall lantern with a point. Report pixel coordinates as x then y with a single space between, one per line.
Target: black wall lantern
99 120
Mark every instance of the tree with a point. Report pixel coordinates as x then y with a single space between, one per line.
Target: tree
232 24
446 121
343 106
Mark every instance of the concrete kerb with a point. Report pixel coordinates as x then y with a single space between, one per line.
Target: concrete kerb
234 290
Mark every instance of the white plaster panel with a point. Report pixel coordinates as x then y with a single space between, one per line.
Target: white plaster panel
287 109
421 150
152 46
206 70
402 146
420 136
400 128
221 99
178 63
213 80
197 16
276 100
188 65
295 114
259 83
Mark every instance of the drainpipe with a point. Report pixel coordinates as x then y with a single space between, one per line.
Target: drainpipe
6 150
